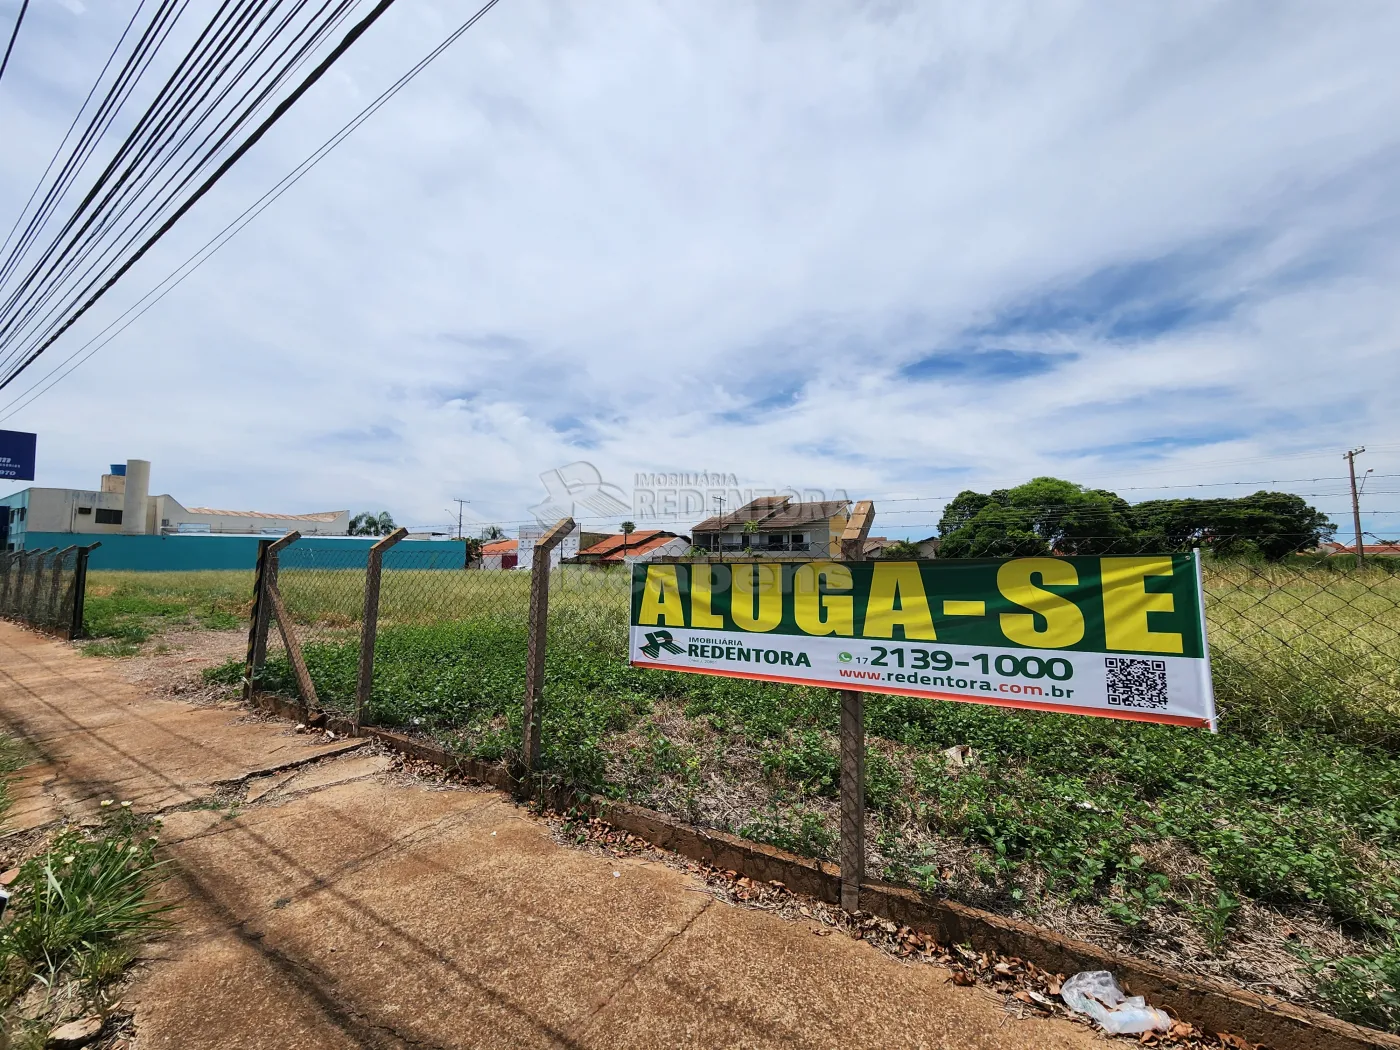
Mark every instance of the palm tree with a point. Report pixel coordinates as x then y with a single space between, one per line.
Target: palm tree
627 527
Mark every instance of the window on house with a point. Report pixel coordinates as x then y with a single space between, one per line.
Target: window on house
84 510
22 511
108 517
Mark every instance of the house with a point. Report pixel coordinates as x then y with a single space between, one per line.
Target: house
875 546
499 554
1384 549
641 546
775 525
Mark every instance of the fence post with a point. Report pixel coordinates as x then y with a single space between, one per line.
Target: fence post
33 615
534 654
369 626
257 622
55 616
75 626
266 605
853 740
7 562
22 560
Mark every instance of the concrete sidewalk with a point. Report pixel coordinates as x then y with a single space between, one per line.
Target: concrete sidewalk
340 909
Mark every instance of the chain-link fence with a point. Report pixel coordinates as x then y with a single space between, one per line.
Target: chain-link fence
449 638
1290 806
45 588
1307 640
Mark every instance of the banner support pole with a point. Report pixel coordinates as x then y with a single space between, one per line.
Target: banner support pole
853 740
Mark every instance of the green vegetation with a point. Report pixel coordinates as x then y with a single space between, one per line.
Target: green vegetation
1292 807
78 909
124 609
367 524
1050 515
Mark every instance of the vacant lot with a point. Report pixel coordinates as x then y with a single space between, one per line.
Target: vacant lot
1268 854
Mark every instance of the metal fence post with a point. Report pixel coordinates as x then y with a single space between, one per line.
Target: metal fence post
369 626
257 622
853 740
75 626
534 655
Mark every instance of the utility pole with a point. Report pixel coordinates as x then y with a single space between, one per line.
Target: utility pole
459 503
1350 457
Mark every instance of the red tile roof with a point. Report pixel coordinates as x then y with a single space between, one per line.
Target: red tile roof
1368 548
616 548
500 547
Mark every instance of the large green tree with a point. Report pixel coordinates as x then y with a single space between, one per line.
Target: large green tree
1273 524
1049 515
1042 516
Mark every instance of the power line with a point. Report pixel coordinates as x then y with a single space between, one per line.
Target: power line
116 274
150 144
5 62
58 150
198 258
224 127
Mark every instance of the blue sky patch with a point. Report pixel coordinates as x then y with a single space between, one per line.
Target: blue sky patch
970 366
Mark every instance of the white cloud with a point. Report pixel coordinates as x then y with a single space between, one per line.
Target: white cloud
590 232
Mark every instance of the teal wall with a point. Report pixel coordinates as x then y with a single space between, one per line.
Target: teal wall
199 552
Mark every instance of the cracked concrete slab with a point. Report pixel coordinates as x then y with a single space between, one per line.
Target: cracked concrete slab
350 911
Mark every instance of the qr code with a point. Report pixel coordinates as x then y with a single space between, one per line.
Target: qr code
1136 683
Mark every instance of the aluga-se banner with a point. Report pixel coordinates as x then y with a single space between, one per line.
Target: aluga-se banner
1117 637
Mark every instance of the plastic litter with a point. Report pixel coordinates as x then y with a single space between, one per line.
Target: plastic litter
1096 994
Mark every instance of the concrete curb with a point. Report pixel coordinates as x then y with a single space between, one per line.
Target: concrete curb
1209 1004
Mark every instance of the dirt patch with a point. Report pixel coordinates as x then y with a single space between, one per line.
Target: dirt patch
173 663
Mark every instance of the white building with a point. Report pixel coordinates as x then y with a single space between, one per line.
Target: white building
122 504
530 535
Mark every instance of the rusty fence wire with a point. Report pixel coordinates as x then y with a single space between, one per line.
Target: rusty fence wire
45 588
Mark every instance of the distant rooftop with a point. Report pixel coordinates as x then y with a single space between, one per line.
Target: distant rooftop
323 516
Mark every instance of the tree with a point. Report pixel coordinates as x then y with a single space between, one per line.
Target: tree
1052 516
902 550
367 524
1271 524
491 532
627 527
1043 516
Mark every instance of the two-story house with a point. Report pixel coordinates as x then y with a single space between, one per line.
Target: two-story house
776 526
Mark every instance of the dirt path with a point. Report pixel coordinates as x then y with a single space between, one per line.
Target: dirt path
333 907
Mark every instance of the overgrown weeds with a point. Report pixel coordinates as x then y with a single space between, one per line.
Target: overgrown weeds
81 908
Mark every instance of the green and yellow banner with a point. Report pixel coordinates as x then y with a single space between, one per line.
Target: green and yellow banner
1121 637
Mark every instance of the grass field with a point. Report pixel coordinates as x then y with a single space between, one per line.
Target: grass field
1269 853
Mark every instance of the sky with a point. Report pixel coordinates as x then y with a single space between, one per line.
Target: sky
884 250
